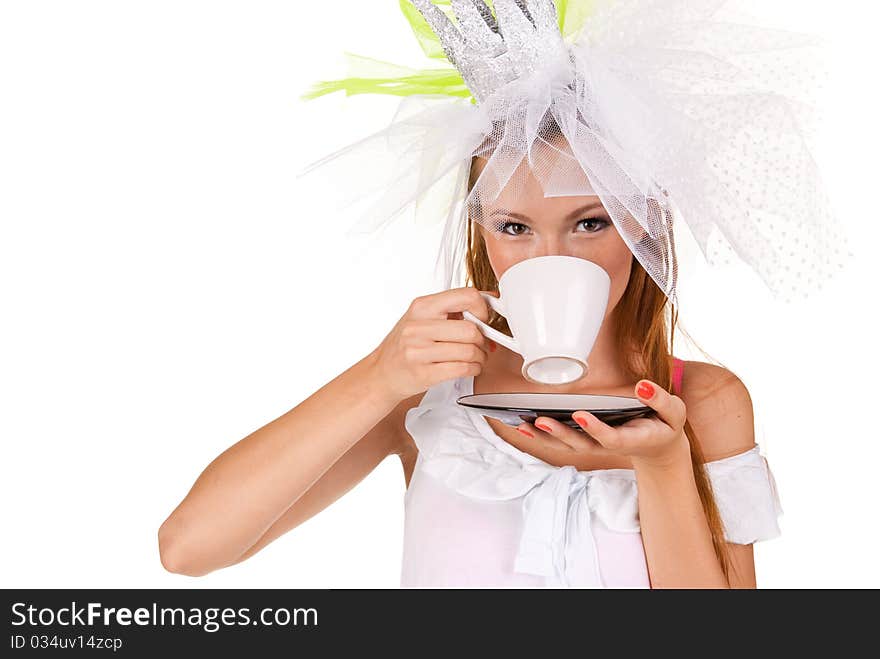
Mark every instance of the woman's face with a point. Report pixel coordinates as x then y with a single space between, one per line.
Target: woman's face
534 225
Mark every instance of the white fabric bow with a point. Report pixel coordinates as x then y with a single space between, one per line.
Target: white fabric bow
557 540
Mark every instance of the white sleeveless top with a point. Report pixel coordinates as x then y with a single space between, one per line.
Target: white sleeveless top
479 512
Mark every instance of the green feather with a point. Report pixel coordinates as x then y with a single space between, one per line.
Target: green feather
372 76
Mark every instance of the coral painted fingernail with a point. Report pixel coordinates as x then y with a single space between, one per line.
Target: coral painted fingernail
492 345
525 432
580 419
544 427
645 390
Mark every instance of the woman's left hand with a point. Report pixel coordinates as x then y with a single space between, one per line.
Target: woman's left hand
655 441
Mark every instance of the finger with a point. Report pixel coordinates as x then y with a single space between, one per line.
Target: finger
670 409
487 15
439 306
450 38
477 304
539 443
444 351
572 438
472 14
511 18
443 371
544 16
611 438
461 331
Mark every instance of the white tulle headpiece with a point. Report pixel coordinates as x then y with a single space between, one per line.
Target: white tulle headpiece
677 116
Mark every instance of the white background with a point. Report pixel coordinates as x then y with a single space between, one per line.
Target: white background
167 288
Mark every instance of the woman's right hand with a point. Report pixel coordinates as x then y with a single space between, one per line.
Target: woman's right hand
432 343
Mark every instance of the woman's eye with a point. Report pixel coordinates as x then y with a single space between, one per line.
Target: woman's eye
593 224
519 228
590 224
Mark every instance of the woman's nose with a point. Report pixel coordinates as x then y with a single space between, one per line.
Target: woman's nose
553 247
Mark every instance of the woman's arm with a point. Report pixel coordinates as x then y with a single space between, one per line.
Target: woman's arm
386 438
247 496
676 536
262 486
677 541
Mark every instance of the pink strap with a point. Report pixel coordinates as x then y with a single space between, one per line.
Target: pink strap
677 371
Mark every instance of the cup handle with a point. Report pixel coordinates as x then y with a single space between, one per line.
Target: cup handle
490 332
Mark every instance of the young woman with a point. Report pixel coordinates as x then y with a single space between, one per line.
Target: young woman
584 132
670 501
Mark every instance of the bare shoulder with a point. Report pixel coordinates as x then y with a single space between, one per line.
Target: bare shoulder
719 409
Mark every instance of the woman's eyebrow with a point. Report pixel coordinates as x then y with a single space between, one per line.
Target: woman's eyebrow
520 216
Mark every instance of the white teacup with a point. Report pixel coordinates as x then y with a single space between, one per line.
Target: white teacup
554 306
